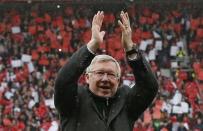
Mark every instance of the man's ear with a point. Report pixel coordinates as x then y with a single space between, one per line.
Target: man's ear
87 78
119 81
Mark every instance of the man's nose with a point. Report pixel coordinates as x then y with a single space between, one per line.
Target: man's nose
105 76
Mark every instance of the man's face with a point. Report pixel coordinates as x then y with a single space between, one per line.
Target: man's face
103 79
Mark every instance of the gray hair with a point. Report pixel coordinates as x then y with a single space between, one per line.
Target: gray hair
104 58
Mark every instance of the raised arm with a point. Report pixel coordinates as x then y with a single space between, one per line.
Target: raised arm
66 84
146 87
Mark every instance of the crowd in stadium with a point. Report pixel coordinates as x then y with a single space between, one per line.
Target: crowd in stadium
35 43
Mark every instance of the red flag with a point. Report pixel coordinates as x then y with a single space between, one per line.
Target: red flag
43 61
194 23
47 18
32 30
143 20
39 20
35 55
177 28
82 23
200 75
86 36
146 35
16 20
2 27
40 28
199 33
155 16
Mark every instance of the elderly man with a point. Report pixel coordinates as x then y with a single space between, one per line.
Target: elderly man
104 105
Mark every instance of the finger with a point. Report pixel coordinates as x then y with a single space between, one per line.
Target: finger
93 20
121 25
102 33
97 17
98 13
101 17
123 18
121 15
126 14
128 19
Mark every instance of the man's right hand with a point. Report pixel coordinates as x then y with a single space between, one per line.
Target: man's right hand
97 35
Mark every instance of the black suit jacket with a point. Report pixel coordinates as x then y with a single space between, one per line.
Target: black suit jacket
78 111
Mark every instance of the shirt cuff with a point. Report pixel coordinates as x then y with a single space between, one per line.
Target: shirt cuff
133 56
91 51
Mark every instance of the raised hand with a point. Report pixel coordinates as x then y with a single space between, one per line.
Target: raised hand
97 35
124 24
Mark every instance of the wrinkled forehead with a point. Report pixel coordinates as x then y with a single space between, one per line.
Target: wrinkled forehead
105 64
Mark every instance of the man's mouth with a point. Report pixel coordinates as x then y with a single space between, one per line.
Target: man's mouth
105 87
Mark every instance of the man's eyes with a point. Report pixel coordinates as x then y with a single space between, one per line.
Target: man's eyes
102 73
111 74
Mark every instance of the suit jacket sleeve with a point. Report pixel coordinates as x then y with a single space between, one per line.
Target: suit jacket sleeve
65 93
145 89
